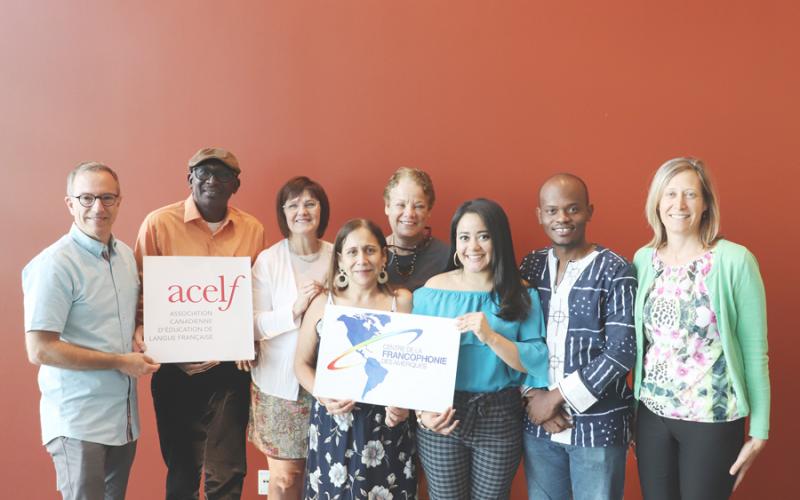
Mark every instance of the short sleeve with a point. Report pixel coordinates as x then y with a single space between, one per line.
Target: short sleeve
48 294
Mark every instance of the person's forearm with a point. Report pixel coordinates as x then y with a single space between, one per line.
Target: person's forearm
305 375
507 351
271 324
55 352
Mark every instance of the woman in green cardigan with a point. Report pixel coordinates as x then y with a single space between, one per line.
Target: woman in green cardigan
701 328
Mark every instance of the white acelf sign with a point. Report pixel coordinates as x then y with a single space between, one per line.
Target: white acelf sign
198 309
385 358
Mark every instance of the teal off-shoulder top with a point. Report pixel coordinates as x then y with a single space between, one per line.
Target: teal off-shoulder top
479 368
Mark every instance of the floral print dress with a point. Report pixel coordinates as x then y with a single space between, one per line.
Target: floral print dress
357 455
685 374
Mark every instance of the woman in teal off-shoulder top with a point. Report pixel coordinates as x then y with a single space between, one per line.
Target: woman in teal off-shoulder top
473 449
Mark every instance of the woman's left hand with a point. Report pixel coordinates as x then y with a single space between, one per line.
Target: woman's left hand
395 415
337 406
747 455
477 324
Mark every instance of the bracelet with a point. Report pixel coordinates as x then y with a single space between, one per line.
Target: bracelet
419 420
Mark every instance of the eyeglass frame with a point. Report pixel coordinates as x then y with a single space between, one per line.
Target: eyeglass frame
208 174
114 198
293 207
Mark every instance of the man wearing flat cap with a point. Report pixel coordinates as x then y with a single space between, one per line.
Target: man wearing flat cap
202 408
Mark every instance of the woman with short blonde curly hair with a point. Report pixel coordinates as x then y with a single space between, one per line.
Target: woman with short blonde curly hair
414 254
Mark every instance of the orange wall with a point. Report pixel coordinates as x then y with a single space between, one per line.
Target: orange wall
489 97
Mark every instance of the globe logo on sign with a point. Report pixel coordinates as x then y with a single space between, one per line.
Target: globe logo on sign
363 331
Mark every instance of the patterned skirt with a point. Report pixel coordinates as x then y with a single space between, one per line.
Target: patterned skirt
357 456
279 427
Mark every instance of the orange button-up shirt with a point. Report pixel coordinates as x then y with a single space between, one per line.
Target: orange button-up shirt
179 229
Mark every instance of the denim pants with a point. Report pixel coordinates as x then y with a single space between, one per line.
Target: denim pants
556 471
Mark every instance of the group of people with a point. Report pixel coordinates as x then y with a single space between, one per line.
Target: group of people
546 346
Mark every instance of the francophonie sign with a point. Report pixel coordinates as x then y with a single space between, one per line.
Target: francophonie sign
387 358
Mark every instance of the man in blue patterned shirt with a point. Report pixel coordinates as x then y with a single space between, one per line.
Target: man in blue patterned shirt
577 430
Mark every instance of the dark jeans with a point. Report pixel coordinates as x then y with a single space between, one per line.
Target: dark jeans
202 421
686 460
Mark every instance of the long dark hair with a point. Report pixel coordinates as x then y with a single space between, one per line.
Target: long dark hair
348 228
508 291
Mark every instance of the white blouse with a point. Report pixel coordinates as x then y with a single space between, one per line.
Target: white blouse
277 274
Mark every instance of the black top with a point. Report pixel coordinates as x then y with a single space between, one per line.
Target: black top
413 270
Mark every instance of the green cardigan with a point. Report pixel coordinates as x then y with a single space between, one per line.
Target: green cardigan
738 300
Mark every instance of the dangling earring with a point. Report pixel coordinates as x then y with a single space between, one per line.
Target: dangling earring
455 259
342 280
383 276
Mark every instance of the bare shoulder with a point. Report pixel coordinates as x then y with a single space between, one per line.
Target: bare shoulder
443 280
404 300
317 306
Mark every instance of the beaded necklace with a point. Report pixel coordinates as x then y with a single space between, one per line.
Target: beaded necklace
415 251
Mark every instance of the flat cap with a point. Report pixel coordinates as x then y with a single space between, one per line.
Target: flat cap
220 154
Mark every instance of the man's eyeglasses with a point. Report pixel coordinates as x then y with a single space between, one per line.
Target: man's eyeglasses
87 200
223 175
294 206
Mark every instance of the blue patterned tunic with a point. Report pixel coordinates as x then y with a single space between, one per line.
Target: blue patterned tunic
600 343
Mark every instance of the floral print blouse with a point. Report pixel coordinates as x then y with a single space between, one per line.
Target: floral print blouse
685 374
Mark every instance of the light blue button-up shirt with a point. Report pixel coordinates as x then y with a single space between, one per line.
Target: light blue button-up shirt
87 292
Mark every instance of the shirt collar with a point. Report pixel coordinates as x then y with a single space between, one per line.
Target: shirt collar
191 212
91 245
576 266
552 259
